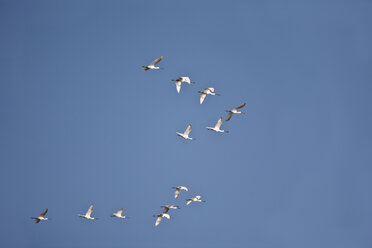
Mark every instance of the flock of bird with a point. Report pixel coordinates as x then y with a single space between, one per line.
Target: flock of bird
185 135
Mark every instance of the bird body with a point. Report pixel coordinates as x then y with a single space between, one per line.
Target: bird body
185 135
159 217
41 216
153 65
216 128
167 207
181 80
178 190
194 199
234 111
205 92
87 214
118 214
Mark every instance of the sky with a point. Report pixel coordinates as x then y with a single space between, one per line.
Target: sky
82 124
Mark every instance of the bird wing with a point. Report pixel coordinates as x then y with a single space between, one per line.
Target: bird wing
188 202
166 216
188 130
43 213
157 60
228 117
120 211
219 123
90 210
202 96
186 80
158 219
178 86
37 220
166 209
184 188
240 106
177 193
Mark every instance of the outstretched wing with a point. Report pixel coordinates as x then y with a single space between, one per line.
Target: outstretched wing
44 213
188 202
158 219
219 123
90 210
166 209
202 97
157 60
120 211
177 193
188 130
37 220
178 86
240 106
228 117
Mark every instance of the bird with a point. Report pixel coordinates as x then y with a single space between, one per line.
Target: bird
205 92
181 80
192 199
41 216
159 217
167 207
216 128
152 65
178 190
88 213
234 111
118 214
185 135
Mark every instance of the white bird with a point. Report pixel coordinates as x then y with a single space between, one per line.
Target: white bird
185 135
152 65
167 207
88 213
159 217
234 111
205 92
192 199
40 217
216 128
118 214
181 80
178 190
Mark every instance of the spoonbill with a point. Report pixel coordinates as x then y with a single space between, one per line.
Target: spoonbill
159 217
152 65
40 217
178 190
234 111
205 92
185 135
216 128
192 199
118 214
167 207
87 214
181 80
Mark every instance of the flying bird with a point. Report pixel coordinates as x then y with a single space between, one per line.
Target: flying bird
181 80
216 128
178 190
159 217
167 207
205 92
152 65
41 216
118 214
87 214
193 199
185 135
234 111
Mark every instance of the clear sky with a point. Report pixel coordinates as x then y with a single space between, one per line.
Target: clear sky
82 124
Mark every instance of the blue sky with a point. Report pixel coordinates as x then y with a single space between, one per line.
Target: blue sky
82 124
